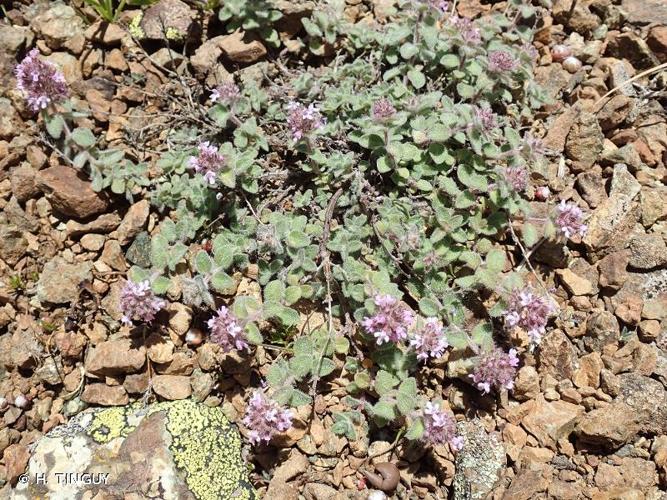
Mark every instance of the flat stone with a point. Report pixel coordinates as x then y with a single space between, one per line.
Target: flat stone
14 38
104 395
168 20
557 356
645 11
69 192
574 283
23 182
105 223
13 244
613 270
112 255
648 251
59 281
240 51
15 458
115 357
106 33
584 142
92 242
172 387
552 421
133 222
57 25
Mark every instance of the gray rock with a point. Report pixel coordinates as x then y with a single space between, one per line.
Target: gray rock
12 244
13 38
479 464
57 25
59 281
168 19
645 11
139 252
180 449
584 142
648 251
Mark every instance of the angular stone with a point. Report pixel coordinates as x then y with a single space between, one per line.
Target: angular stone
15 458
59 281
168 20
69 193
172 387
240 51
57 25
23 182
550 422
105 223
133 222
584 142
557 356
106 33
115 357
574 283
648 251
104 395
613 273
13 244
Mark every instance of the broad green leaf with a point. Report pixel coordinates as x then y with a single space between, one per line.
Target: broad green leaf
223 283
83 137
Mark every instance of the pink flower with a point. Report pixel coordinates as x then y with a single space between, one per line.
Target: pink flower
440 427
391 321
138 302
303 120
484 118
501 61
264 418
529 312
467 30
517 178
569 219
497 369
382 110
208 162
226 93
40 81
226 331
430 340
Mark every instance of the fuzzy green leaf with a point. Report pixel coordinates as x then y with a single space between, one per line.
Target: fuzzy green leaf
223 283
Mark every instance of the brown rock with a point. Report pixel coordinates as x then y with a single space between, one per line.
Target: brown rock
648 251
102 394
588 373
168 19
645 11
612 269
15 458
105 223
133 222
628 308
653 206
113 256
99 104
160 350
69 193
92 242
551 421
172 387
657 41
615 111
181 364
136 383
106 33
559 129
528 484
526 384
574 284
115 59
36 157
23 183
557 356
115 357
57 25
633 48
584 142
591 186
240 51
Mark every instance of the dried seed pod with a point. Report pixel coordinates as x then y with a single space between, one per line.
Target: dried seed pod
572 64
560 52
388 477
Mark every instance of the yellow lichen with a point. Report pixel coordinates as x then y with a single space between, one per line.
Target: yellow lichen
135 28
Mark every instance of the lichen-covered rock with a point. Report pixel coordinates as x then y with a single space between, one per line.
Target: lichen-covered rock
479 464
176 449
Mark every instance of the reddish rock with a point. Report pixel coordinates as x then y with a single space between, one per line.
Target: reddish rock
23 183
115 357
238 50
16 458
657 41
172 387
612 269
133 222
69 192
550 422
105 395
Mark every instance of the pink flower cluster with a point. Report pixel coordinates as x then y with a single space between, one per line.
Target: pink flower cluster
501 62
40 81
517 178
208 162
382 110
264 418
569 219
430 340
391 321
440 427
485 118
467 30
226 331
303 120
226 93
441 5
138 302
530 312
495 368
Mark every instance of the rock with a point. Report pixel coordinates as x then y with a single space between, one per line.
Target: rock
105 223
627 155
21 350
318 491
591 186
136 383
576 15
557 356
14 38
657 41
526 384
615 111
115 60
207 55
479 464
160 350
57 25
112 255
9 119
237 50
168 58
612 270
23 183
633 48
92 242
640 408
172 387
59 281
645 11
574 283
13 244
115 357
133 222
106 33
584 142
526 485
653 208
168 20
550 422
175 449
628 307
648 251
69 193
588 373
610 224
559 129
139 252
202 385
15 458
104 395
180 317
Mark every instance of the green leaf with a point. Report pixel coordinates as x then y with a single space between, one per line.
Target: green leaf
429 307
160 285
253 334
341 345
495 260
159 251
274 291
292 294
465 91
407 396
529 234
278 373
457 339
223 283
300 398
298 239
384 382
83 137
55 124
326 367
203 262
408 50
482 335
417 78
416 430
450 61
384 410
362 379
301 365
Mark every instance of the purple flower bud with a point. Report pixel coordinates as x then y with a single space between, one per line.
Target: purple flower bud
137 302
440 426
391 321
382 110
430 341
40 81
516 177
226 93
303 120
441 5
226 331
466 29
208 162
529 312
264 418
569 219
501 61
495 369
484 118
